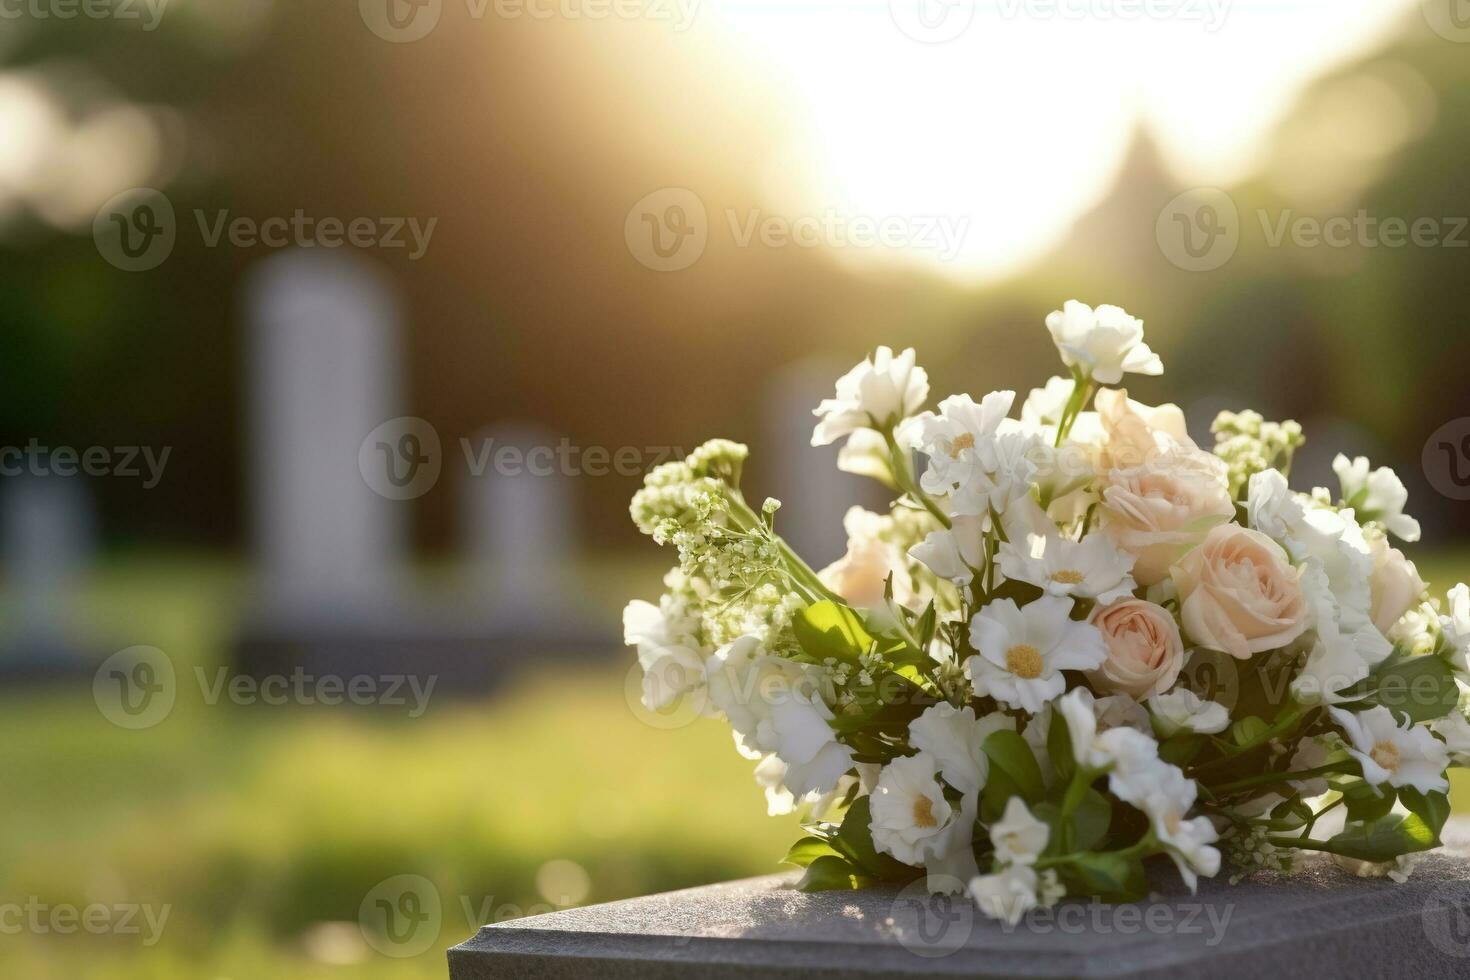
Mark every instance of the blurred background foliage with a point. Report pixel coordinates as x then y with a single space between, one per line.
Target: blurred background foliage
530 141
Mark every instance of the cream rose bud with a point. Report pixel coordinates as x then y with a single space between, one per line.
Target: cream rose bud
1239 593
1145 651
1396 585
1159 510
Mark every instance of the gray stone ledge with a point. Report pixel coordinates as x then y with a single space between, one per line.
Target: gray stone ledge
1322 922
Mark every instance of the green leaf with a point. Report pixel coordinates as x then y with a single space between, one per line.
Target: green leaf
1384 839
1108 875
1181 748
807 850
1432 808
829 629
1091 819
1421 688
1013 772
1059 748
1366 802
831 873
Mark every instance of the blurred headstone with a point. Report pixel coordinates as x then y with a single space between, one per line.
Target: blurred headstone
47 535
324 372
519 520
814 493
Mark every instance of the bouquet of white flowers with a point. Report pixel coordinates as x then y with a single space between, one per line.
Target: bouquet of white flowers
1076 642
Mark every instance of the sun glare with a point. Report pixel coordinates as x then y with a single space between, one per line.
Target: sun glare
1018 122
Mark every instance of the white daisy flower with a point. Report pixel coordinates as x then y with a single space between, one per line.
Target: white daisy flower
1093 568
878 393
1181 710
912 820
1376 495
1007 894
1023 650
1018 837
1103 343
1409 756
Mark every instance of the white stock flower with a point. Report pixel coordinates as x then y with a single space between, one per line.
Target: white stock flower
1395 585
1007 894
880 392
1018 837
955 552
1376 495
977 458
1102 343
1023 650
1456 626
1390 754
1181 710
865 453
671 658
1454 728
912 821
1102 738
953 737
1093 568
1340 655
775 707
1044 406
1188 842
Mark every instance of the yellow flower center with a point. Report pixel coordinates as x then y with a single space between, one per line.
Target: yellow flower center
962 441
1386 754
1024 660
1068 576
924 812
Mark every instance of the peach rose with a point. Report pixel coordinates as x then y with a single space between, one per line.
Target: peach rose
1396 585
1239 593
1159 510
1145 650
1134 433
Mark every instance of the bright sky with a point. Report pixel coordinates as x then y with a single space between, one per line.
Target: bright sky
1020 121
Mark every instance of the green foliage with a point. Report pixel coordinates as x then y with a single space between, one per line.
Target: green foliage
1421 688
807 850
1013 772
831 873
830 629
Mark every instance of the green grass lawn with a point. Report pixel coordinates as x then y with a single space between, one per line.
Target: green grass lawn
263 828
